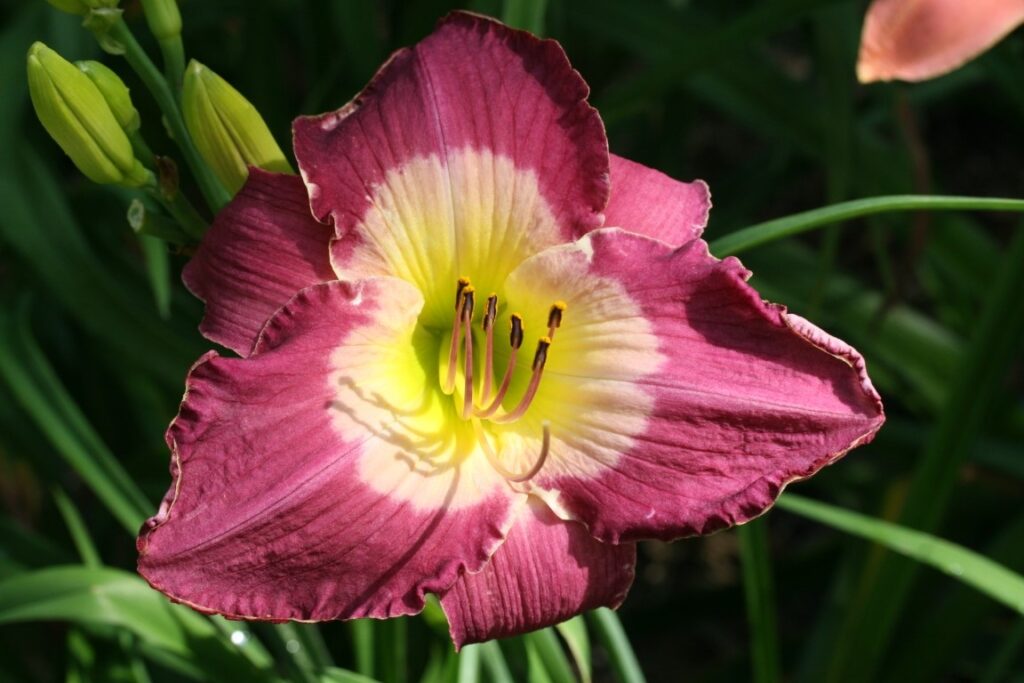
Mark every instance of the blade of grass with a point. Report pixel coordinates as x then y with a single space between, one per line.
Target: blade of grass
112 597
77 529
760 595
36 387
494 662
976 382
963 564
574 632
469 664
393 650
955 619
552 656
158 268
756 235
362 634
611 634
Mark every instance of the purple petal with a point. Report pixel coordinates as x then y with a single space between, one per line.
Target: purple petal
648 202
679 401
547 571
262 248
277 512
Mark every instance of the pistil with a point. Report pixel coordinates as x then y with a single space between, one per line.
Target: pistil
508 474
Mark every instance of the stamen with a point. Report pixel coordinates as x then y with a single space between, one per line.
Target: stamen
467 332
453 351
488 322
505 472
515 340
539 359
555 317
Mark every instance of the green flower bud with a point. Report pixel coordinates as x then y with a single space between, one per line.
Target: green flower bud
228 131
82 6
76 116
163 18
115 92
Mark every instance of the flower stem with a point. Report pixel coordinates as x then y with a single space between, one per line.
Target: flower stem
215 194
173 52
759 234
613 637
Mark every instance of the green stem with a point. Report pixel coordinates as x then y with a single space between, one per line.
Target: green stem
145 222
759 234
215 194
142 151
760 595
173 52
184 213
613 637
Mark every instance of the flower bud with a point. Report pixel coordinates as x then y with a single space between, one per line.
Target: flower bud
163 18
82 6
114 91
228 131
75 114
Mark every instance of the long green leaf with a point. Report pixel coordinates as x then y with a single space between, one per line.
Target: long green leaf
552 656
574 632
759 234
964 564
760 595
616 642
77 529
112 597
35 385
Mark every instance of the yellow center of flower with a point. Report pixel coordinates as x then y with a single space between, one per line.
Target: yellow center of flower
482 400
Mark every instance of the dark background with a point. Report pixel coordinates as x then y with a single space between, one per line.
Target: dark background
758 98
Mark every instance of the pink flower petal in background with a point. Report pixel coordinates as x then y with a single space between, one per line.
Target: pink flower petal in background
261 249
913 40
648 202
547 571
742 398
269 515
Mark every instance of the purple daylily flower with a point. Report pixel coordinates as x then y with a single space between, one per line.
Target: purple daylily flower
480 357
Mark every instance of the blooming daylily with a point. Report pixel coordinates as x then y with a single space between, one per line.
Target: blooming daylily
454 380
914 40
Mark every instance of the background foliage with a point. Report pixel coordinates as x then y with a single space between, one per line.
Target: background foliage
756 97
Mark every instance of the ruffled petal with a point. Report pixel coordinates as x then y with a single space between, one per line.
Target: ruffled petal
262 248
293 497
648 202
547 571
465 154
678 401
913 40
